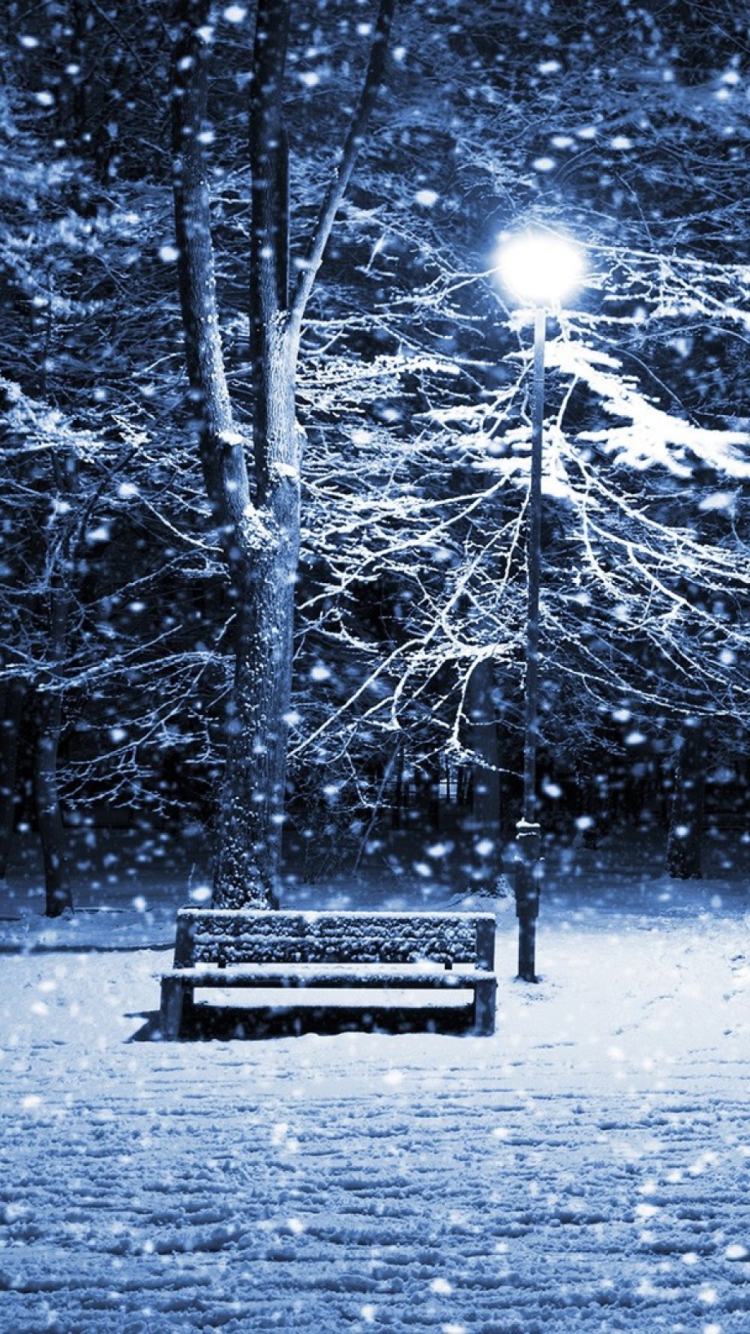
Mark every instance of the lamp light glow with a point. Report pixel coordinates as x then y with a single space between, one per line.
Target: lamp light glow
540 269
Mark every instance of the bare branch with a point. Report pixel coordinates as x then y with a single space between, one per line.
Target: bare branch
352 145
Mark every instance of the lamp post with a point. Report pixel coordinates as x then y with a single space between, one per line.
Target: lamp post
539 270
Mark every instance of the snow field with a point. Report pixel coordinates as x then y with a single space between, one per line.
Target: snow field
586 1169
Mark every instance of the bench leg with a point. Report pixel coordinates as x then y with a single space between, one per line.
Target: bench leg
171 1007
485 1002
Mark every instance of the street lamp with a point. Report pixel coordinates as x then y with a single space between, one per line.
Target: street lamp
539 270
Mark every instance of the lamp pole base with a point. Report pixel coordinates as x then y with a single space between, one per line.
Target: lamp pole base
527 876
527 949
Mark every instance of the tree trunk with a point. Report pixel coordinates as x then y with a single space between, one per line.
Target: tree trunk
56 884
482 739
251 806
257 526
11 705
259 532
427 795
686 814
58 897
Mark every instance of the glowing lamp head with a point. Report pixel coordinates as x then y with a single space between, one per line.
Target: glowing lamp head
540 269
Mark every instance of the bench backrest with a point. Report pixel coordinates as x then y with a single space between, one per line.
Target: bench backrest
232 936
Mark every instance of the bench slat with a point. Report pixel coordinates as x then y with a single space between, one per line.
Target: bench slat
314 976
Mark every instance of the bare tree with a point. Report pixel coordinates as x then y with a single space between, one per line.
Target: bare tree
253 483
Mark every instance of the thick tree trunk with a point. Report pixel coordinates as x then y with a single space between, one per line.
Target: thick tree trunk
258 526
686 814
251 808
259 532
11 705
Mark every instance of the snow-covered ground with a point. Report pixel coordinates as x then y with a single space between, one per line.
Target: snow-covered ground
585 1169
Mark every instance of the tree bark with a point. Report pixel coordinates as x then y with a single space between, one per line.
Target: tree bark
11 697
258 526
481 737
259 535
251 806
58 898
685 833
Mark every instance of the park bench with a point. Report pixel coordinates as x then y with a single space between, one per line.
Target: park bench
223 947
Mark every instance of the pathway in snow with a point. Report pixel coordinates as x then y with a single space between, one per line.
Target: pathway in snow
586 1169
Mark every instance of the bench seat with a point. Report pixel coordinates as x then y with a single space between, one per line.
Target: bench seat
311 975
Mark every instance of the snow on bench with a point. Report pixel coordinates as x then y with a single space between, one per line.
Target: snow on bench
224 947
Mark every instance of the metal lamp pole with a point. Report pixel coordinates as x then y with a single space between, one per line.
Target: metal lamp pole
539 268
528 831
